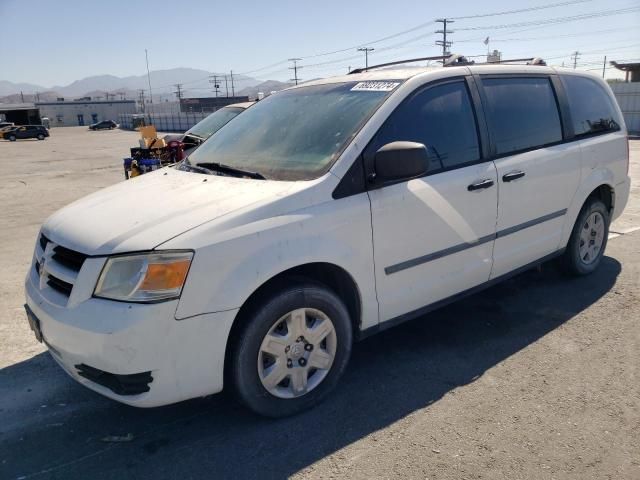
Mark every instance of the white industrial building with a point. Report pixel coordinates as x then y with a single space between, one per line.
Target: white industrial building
84 111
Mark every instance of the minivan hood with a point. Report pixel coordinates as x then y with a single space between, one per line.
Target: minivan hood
144 212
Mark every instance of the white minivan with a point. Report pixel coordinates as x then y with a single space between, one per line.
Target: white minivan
322 214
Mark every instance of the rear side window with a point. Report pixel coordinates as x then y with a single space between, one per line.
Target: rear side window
523 113
441 118
592 110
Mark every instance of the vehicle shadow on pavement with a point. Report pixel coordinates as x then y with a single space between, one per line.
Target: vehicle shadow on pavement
390 376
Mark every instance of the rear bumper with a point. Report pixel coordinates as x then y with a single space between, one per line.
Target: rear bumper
622 190
185 359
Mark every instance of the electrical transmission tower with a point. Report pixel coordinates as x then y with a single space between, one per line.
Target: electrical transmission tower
575 56
213 79
366 51
295 69
444 43
178 91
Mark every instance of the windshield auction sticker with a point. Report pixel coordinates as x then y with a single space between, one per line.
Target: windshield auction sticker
374 86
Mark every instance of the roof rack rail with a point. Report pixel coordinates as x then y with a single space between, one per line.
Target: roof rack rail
399 62
452 60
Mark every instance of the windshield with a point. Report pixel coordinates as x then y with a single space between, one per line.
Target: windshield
295 134
214 122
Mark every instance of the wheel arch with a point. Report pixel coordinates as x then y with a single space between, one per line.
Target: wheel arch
599 184
336 278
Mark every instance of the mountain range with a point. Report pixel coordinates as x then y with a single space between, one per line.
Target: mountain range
193 82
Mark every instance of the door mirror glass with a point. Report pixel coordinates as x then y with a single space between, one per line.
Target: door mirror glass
400 161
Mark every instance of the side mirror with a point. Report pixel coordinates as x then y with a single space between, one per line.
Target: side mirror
400 161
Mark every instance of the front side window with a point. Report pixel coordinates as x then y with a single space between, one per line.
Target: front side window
294 134
522 112
592 110
441 118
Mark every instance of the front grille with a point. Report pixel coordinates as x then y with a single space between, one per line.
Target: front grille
59 285
133 384
58 268
43 242
69 258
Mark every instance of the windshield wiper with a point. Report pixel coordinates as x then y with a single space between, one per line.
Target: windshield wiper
219 167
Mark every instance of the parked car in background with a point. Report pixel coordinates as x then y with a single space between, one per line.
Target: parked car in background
202 130
26 131
323 214
103 125
6 126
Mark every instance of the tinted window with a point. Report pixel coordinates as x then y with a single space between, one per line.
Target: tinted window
592 110
439 117
522 112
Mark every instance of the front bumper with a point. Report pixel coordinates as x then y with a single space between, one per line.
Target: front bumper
185 357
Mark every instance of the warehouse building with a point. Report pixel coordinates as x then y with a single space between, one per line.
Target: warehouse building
628 95
20 113
209 104
83 111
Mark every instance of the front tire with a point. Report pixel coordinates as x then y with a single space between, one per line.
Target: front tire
40 136
291 350
588 239
12 138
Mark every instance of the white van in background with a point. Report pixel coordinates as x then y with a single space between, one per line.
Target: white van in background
320 215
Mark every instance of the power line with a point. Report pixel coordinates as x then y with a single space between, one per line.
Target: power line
552 21
527 39
521 10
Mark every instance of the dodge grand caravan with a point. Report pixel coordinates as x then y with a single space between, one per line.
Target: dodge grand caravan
353 204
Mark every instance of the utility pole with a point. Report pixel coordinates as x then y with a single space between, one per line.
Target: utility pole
146 56
349 69
38 93
21 96
213 79
444 43
604 66
366 51
295 69
141 99
226 86
575 56
233 90
178 91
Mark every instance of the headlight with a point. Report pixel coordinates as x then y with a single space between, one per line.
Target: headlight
148 277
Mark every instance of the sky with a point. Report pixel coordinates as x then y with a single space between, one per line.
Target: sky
54 42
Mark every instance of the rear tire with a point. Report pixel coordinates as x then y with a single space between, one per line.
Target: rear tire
588 239
291 350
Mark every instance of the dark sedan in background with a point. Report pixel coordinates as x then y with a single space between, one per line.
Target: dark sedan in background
103 125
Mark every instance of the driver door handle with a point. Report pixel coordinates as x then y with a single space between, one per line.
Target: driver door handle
482 184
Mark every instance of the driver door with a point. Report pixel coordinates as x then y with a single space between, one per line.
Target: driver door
433 236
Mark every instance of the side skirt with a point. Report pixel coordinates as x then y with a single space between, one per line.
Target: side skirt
405 317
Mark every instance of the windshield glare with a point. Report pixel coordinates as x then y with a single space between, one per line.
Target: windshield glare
292 135
215 121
